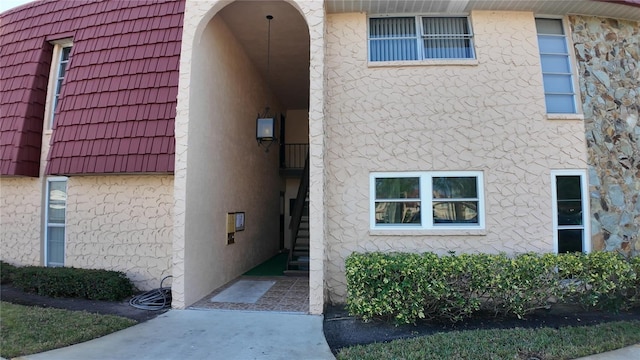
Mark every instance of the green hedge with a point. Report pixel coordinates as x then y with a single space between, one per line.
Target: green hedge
407 287
603 280
6 272
73 282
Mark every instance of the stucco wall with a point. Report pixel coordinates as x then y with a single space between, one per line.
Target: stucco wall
21 214
226 171
20 210
314 13
489 116
121 223
220 154
297 124
608 56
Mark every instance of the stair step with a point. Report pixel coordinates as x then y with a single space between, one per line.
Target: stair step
296 272
299 262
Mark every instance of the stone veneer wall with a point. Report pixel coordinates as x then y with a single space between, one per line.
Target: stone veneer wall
608 56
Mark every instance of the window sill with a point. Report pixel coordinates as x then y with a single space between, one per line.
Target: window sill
433 62
431 232
565 117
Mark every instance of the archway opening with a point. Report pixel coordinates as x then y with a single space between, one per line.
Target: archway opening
229 177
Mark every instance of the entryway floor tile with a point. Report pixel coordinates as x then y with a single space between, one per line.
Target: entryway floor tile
288 294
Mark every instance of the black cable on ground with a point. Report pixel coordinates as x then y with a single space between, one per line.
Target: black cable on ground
156 299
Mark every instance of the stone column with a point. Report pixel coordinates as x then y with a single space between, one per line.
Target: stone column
608 56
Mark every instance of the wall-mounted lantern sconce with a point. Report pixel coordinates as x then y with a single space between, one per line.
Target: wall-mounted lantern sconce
266 131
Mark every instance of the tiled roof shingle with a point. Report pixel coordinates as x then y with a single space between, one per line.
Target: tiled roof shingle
119 91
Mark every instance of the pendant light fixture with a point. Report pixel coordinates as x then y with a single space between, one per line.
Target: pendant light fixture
266 122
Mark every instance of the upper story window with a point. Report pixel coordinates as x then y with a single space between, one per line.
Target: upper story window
420 38
557 74
427 200
59 64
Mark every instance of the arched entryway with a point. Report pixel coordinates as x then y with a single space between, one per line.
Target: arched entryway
220 168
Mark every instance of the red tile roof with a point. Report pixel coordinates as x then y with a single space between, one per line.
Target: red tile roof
119 91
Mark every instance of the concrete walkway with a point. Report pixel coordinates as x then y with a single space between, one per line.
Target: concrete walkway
224 334
207 334
628 353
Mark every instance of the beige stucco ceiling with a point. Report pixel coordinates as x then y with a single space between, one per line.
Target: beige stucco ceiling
289 60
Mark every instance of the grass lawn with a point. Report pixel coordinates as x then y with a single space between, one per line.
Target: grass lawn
27 330
542 343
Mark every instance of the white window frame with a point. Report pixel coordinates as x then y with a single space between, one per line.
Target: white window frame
57 225
419 37
426 200
584 193
52 90
576 114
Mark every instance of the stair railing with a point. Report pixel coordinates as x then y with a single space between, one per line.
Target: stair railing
296 213
293 156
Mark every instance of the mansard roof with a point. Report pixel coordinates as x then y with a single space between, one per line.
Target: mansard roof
118 101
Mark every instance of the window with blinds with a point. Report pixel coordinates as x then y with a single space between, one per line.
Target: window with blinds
419 38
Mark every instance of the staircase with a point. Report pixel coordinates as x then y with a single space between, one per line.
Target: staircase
298 262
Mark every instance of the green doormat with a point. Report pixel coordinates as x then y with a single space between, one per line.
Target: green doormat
272 267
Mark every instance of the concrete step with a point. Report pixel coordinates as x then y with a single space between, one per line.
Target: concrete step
296 272
299 263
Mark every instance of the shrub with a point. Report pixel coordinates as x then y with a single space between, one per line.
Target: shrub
519 286
603 280
6 272
74 283
634 296
407 287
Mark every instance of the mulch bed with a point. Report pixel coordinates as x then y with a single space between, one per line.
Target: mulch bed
10 294
342 330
